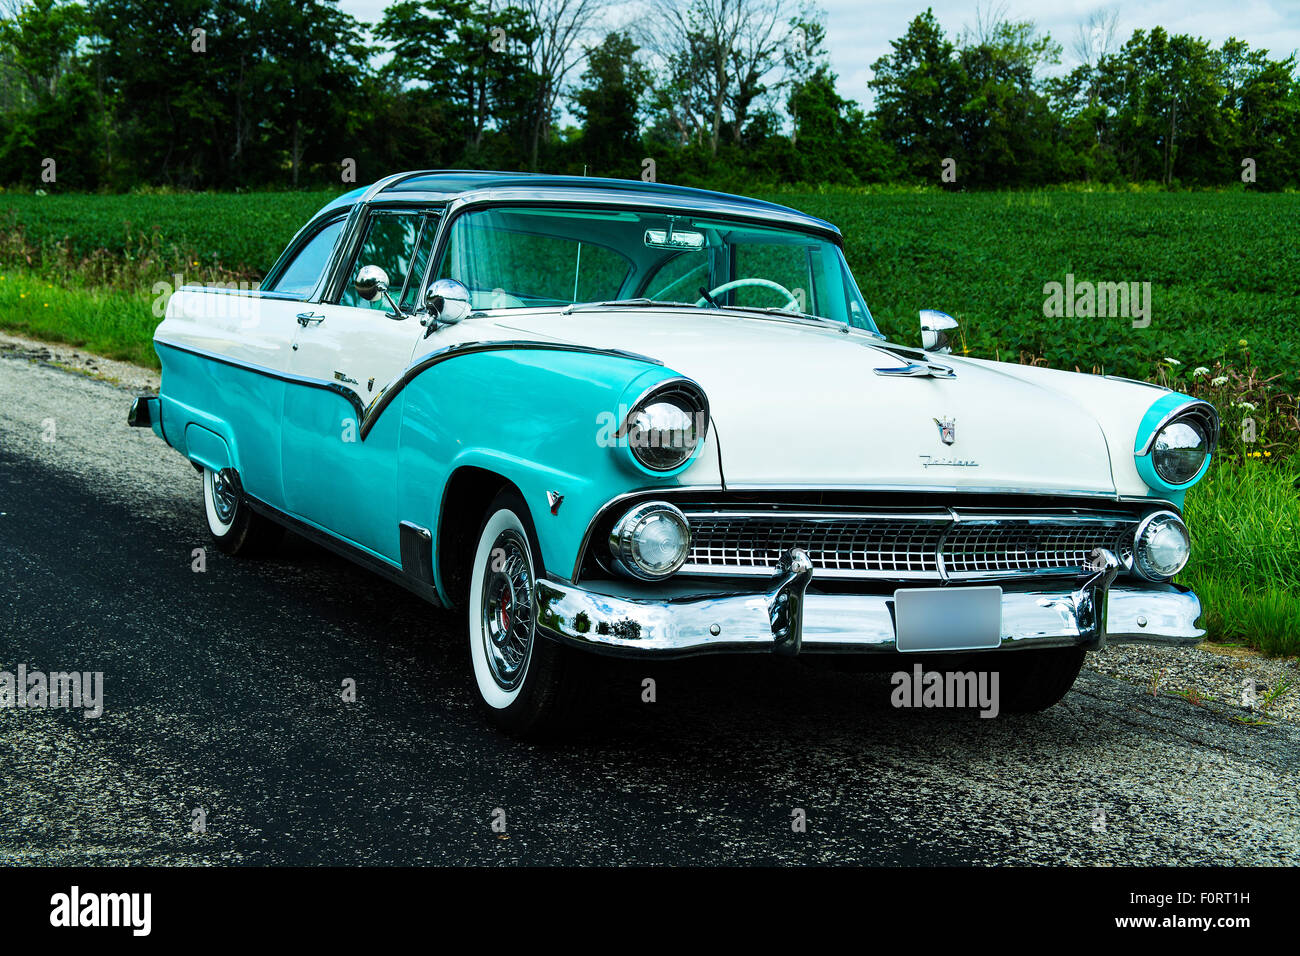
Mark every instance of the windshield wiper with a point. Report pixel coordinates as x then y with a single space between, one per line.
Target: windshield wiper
641 303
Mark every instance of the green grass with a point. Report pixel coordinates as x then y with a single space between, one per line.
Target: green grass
111 322
1245 523
1223 269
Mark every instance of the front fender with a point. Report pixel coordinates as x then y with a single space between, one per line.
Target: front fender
541 419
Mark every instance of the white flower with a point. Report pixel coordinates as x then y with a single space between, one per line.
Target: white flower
1199 371
1221 380
1248 406
1172 361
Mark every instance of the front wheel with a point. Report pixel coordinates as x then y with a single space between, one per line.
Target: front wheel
525 683
235 528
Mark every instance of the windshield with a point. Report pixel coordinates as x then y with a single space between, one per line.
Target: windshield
531 257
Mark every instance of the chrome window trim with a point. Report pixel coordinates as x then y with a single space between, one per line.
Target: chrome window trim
477 200
303 236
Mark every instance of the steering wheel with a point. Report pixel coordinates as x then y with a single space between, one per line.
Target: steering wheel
791 303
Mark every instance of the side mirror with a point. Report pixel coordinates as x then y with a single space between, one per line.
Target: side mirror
447 302
935 327
372 281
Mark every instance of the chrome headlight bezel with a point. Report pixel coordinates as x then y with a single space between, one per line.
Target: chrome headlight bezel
1144 533
667 426
1161 459
625 539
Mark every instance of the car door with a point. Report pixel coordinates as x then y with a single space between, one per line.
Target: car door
343 355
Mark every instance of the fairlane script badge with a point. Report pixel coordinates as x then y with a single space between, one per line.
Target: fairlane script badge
929 461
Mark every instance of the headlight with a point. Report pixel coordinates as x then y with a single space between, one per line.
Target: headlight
651 541
1161 546
668 423
1179 451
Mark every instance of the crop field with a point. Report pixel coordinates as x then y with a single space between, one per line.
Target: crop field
1222 267
1217 277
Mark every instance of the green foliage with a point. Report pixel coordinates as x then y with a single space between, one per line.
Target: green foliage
609 104
1222 268
280 93
134 240
1245 523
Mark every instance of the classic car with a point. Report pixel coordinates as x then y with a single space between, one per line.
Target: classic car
646 420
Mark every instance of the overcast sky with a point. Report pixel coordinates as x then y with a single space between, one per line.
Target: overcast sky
859 31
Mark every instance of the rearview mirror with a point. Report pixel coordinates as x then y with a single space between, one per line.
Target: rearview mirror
673 239
935 327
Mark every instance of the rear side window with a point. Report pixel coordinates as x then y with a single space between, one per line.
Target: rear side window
308 264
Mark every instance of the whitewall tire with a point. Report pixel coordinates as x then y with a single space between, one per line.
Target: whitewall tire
235 528
526 683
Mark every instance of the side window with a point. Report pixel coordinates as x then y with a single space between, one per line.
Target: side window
423 250
390 244
307 265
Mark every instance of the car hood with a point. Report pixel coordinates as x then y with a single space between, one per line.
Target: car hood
800 405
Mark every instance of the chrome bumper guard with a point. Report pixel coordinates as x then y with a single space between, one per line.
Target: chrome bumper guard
786 618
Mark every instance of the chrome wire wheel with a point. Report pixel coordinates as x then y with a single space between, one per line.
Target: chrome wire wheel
506 619
224 498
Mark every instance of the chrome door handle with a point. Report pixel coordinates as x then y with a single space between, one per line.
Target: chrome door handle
309 318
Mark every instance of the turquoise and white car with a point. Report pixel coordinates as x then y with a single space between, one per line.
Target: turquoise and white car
653 421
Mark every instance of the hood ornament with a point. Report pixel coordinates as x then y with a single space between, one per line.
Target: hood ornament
947 429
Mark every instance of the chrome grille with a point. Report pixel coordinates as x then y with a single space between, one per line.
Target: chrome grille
933 547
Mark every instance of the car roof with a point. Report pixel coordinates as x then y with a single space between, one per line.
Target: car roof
446 185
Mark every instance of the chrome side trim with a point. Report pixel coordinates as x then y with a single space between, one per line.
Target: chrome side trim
368 415
390 391
343 392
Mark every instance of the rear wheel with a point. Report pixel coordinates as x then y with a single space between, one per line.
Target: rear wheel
1035 680
235 528
525 683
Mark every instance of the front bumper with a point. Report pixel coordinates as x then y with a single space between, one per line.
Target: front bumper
786 617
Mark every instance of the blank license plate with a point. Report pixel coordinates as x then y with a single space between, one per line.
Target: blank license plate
947 619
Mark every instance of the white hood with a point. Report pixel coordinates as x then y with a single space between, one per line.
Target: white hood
800 405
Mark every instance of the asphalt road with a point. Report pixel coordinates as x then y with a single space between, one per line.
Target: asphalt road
223 692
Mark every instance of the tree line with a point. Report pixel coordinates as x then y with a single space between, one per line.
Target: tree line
197 94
